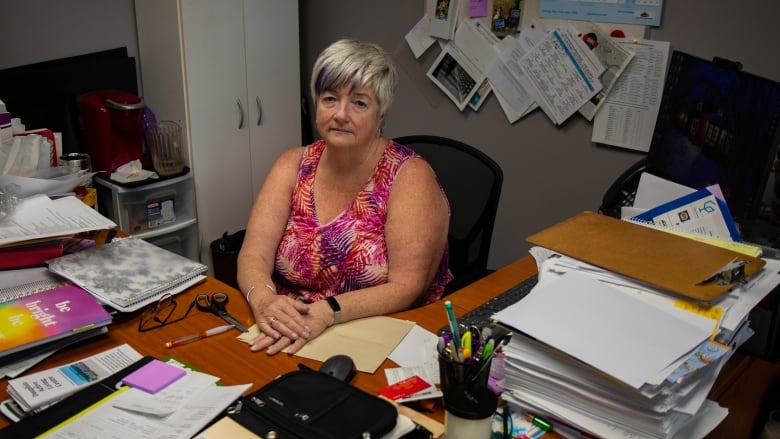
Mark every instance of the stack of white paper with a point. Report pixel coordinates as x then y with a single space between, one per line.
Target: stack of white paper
612 357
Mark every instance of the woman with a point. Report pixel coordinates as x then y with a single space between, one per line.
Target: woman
354 218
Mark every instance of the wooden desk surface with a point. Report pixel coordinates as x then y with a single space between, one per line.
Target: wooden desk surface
234 363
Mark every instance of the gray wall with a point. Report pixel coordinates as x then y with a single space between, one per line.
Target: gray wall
39 30
550 172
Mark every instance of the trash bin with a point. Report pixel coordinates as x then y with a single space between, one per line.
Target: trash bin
224 255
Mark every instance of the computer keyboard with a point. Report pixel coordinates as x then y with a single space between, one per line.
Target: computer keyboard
481 315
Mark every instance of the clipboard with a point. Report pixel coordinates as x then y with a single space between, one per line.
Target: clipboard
674 263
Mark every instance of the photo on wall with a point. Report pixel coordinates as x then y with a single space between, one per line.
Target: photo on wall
454 79
505 17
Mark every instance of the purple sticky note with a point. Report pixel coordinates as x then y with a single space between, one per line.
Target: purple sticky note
478 8
154 376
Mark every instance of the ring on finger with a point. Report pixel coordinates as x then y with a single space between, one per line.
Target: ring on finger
271 321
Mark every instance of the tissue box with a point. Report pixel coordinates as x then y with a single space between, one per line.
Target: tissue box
48 135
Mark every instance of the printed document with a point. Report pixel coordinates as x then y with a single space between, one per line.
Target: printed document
644 12
631 108
699 213
505 75
561 73
178 411
41 217
615 58
44 388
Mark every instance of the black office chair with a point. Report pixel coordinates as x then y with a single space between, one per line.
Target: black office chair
472 182
623 190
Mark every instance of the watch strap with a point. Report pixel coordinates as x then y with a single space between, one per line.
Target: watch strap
334 305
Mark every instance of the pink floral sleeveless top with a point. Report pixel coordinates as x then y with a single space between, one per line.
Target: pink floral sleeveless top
316 261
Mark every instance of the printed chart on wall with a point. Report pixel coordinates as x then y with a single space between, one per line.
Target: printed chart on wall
642 12
532 12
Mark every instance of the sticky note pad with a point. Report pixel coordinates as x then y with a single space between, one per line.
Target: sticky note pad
154 376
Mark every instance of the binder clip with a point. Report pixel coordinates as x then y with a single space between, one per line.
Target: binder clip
733 272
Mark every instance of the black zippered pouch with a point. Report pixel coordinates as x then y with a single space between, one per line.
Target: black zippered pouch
306 404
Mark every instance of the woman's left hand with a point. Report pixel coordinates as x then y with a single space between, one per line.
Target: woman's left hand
275 340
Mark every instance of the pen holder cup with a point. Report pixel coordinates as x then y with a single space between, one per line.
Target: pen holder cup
469 404
454 373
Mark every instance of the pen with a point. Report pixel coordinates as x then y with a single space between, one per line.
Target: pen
194 337
530 433
440 345
486 359
454 351
453 324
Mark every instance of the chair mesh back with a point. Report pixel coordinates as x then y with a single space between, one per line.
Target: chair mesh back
472 182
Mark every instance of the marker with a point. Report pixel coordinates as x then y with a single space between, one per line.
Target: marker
488 350
539 422
453 324
201 335
465 343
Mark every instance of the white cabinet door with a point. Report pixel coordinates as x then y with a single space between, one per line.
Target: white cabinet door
207 64
273 63
215 69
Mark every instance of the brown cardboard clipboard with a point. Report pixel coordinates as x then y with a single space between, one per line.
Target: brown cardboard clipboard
669 261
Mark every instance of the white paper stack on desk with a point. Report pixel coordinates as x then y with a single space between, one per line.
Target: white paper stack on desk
628 329
613 356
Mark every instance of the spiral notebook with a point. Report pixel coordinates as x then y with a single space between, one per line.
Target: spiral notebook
23 282
129 273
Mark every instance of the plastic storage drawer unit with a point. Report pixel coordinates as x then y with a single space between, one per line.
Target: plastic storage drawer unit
181 238
138 209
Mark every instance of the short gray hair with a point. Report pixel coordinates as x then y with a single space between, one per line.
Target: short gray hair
361 63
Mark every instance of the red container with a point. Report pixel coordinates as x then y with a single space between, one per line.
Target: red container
112 128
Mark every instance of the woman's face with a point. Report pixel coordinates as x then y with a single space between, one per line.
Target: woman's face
347 117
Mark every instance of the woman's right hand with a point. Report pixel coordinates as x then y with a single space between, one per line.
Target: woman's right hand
279 316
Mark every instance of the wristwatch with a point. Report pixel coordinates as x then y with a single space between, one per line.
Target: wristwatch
334 305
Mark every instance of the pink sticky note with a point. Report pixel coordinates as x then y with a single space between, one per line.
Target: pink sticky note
478 8
154 376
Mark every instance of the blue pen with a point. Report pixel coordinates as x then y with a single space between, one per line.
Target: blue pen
453 324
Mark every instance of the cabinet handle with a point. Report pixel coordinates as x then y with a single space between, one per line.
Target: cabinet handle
259 110
240 113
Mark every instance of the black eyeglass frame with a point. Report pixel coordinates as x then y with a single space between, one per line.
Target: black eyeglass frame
152 313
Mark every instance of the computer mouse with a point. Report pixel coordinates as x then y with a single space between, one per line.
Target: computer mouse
339 366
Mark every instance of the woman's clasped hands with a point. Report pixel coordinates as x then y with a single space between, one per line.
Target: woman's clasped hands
286 323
